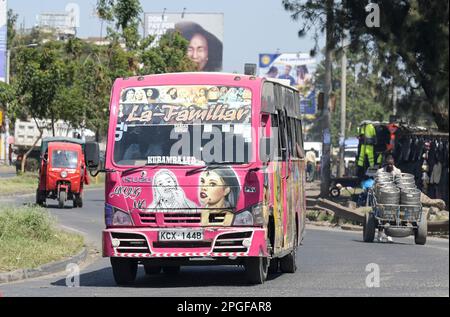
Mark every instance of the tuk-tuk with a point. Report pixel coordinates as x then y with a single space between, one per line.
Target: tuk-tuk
62 172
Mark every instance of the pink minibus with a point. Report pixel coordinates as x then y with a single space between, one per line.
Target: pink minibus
203 169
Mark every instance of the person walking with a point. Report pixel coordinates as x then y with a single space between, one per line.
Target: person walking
310 165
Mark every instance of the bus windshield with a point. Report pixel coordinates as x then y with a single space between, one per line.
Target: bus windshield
183 125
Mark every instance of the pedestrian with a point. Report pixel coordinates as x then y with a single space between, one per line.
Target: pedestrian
311 164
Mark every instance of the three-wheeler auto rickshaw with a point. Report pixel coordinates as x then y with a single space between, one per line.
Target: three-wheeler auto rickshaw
62 172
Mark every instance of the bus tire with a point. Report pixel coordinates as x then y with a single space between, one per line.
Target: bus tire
420 234
61 199
274 265
256 269
171 270
369 227
151 269
124 270
288 263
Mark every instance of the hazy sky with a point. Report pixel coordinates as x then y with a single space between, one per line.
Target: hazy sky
251 26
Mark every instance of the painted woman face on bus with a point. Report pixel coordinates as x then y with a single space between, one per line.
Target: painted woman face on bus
139 95
213 94
129 95
213 191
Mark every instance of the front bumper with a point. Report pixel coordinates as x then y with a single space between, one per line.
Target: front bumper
217 243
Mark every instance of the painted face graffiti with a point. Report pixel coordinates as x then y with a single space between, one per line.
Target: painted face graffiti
219 188
168 196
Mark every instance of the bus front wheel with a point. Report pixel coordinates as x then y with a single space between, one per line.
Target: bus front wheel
124 270
256 269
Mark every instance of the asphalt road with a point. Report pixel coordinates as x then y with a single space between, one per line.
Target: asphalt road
331 263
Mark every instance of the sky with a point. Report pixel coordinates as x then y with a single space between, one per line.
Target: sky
251 27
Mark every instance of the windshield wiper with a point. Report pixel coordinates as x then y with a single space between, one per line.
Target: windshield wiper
211 166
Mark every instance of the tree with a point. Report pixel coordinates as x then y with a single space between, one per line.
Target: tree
72 80
11 22
40 74
416 34
125 14
324 16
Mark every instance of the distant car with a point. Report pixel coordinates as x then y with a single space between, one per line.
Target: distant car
350 157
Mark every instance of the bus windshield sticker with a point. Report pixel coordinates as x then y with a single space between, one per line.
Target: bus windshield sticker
173 160
169 105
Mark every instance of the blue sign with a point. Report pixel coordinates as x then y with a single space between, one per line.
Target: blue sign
308 105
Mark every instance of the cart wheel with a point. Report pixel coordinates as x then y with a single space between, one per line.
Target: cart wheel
335 192
420 234
61 199
369 227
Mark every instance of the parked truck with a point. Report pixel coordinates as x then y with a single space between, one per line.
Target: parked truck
28 138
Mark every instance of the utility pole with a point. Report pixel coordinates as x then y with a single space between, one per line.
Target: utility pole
8 61
325 176
343 111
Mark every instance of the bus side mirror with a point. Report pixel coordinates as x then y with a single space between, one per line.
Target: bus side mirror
265 152
92 155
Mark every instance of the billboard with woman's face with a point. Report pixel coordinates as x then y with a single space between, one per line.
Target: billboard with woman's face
204 31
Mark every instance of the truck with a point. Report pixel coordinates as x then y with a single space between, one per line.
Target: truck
28 138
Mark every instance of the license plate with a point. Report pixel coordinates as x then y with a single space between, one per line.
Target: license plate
180 235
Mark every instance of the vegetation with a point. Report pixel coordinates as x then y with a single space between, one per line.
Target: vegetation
29 238
408 50
72 80
23 184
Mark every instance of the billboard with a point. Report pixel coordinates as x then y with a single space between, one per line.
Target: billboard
3 39
298 70
204 31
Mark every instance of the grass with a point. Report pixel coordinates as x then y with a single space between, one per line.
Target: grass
28 183
22 184
29 238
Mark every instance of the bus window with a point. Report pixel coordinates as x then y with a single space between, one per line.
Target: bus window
282 132
293 138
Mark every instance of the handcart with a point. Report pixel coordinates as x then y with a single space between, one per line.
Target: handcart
395 220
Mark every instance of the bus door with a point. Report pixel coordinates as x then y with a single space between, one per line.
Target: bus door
294 181
277 188
289 195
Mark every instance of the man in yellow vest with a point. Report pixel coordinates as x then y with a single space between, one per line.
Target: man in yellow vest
368 135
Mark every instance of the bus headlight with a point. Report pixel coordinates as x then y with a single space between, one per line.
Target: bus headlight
250 217
244 218
121 218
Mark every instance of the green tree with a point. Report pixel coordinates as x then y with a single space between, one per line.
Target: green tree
411 44
416 34
11 22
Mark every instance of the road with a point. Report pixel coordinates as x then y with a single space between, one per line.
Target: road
331 263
